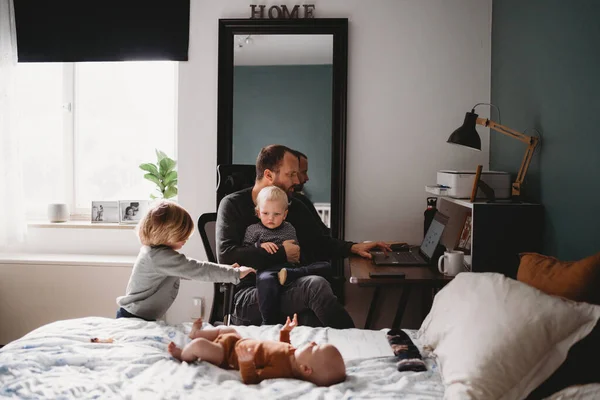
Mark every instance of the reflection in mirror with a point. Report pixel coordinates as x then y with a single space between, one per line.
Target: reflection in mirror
282 94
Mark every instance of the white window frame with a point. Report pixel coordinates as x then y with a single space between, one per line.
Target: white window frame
69 109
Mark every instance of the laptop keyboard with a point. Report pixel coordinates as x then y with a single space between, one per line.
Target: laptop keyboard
406 257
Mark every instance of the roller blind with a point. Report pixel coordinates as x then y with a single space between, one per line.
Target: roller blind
108 30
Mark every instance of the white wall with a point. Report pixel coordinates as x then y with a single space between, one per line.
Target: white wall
34 294
415 68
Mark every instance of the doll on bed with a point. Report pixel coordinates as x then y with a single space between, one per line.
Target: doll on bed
257 360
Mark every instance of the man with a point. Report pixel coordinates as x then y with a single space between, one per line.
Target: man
299 194
311 296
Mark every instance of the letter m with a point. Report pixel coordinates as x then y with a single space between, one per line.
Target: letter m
287 14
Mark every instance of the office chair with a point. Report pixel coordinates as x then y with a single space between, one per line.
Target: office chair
223 291
234 177
230 179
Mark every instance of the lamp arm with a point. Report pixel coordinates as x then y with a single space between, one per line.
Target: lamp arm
531 141
516 187
504 129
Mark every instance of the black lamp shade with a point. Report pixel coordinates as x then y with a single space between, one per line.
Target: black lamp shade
466 135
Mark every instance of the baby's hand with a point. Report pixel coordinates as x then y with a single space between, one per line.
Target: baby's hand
290 324
245 271
270 247
236 265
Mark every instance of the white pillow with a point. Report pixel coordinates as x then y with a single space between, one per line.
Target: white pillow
497 338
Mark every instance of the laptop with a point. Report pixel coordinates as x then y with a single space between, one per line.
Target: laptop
421 255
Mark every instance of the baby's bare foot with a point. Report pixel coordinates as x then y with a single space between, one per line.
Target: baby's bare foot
174 350
196 326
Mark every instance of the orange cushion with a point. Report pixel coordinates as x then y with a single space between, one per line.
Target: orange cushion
574 280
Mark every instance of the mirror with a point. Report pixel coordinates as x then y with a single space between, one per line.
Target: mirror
282 94
284 82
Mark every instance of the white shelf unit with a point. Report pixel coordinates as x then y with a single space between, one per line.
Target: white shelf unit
499 232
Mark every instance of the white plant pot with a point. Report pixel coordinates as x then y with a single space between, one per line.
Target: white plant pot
58 212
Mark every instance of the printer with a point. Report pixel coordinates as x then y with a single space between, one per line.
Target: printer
459 184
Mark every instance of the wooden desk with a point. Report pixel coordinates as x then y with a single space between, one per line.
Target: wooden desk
425 277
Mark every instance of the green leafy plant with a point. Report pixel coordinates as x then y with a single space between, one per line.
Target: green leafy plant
163 174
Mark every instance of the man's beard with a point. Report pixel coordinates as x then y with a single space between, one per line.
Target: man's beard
298 188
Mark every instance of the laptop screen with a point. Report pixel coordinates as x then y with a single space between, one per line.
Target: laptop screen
434 234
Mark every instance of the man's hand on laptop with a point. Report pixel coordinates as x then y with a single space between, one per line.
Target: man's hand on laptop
362 249
292 251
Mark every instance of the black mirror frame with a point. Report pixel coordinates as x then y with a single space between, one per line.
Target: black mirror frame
338 27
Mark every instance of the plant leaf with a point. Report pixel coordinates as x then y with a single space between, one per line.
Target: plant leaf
170 192
166 165
159 155
150 168
153 178
153 197
171 176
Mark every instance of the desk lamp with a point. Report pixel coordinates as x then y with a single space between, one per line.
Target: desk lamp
467 136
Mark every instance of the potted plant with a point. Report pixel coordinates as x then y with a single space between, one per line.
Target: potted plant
163 174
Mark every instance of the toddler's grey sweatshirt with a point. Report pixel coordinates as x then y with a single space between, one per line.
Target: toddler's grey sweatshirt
154 281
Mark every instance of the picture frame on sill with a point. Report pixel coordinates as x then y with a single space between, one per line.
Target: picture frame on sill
105 212
132 211
464 239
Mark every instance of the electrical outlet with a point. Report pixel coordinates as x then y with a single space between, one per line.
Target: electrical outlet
197 310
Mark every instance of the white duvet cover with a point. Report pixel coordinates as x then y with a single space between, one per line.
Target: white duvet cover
58 361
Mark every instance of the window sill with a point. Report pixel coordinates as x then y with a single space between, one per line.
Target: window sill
79 225
67 259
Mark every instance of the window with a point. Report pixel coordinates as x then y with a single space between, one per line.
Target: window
86 127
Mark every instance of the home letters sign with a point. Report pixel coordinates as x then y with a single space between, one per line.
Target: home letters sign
281 12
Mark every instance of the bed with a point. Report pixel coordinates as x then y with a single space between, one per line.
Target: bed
486 336
58 361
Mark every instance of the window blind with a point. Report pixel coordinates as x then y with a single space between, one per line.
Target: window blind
108 30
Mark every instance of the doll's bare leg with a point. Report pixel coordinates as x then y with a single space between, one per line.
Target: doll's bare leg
211 333
196 326
198 349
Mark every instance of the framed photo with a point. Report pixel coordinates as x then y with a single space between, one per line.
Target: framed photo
132 211
105 211
464 240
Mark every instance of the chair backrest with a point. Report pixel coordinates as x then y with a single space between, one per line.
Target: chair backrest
206 227
234 177
223 295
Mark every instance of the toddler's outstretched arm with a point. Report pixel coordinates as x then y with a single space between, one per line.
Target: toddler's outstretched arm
172 263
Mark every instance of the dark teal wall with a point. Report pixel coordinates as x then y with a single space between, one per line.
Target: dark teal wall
546 75
289 105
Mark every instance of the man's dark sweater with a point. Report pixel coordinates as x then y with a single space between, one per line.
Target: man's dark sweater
236 212
311 207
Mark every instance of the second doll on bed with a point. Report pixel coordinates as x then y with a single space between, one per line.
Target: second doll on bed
258 360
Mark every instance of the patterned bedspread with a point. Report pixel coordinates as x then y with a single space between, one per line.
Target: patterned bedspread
58 361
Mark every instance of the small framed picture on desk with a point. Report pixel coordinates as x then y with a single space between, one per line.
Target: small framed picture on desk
464 239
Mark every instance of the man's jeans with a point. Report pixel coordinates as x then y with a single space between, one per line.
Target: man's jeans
269 288
310 297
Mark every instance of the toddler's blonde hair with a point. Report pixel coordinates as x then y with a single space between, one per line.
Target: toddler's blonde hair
271 193
165 223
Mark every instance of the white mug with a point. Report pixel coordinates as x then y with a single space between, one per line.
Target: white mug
58 212
451 263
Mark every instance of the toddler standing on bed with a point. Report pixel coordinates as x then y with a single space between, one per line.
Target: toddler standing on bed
257 360
154 281
269 234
